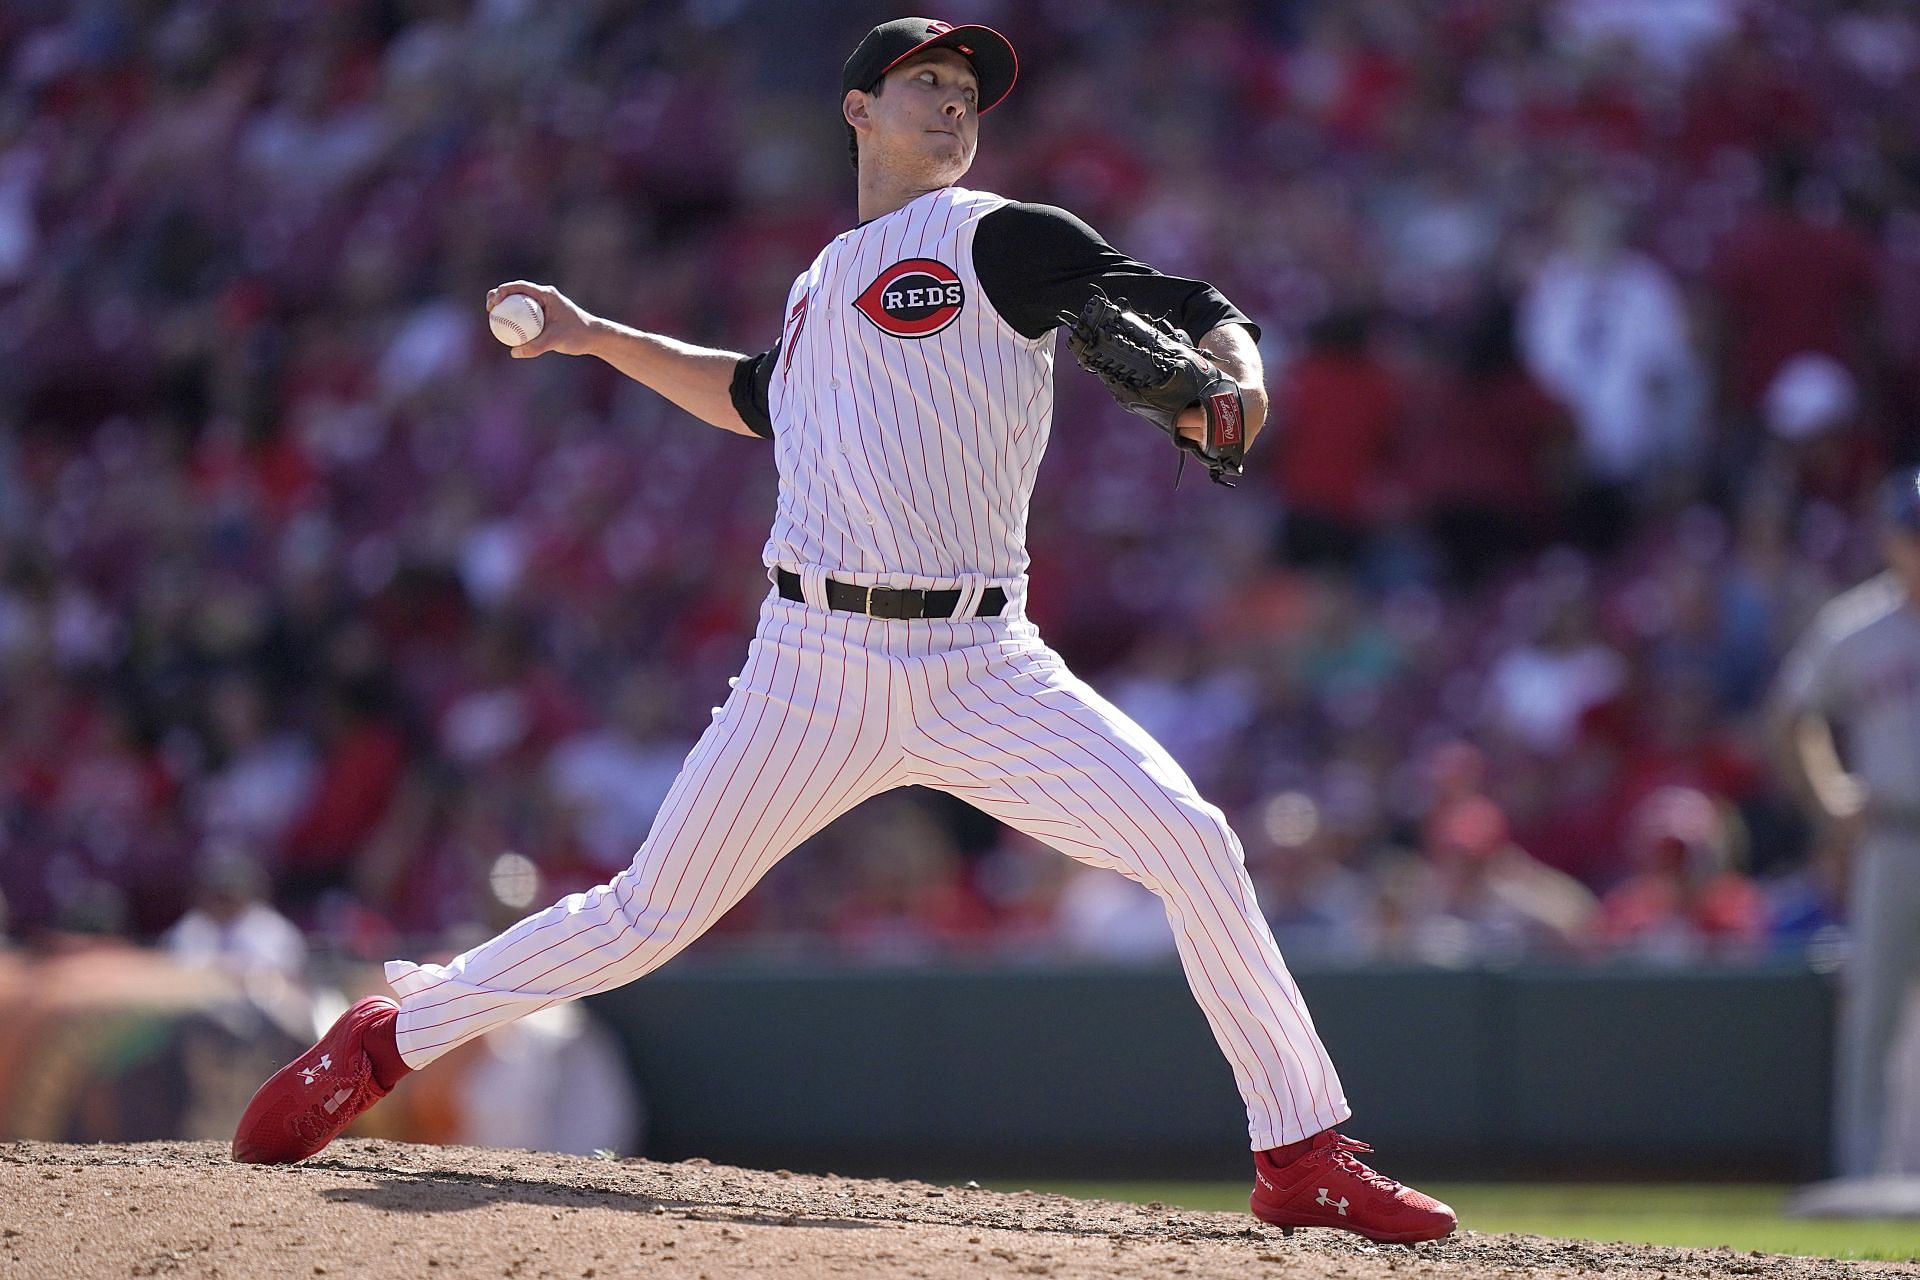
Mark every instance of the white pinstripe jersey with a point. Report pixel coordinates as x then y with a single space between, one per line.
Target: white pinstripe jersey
909 418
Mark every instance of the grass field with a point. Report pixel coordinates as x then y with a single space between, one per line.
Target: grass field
1737 1216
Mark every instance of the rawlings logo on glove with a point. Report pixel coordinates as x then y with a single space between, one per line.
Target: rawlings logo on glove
1153 369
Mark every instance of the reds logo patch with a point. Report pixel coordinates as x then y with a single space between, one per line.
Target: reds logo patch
913 298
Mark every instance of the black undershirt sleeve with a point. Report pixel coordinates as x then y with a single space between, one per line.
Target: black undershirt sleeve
752 375
1035 261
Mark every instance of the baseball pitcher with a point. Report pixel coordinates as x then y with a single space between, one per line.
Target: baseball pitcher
908 398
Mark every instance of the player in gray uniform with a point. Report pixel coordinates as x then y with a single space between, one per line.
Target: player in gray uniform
1857 670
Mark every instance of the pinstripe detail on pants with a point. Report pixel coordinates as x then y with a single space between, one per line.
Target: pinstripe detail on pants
832 708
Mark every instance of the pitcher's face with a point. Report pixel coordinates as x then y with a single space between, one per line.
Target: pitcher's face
924 124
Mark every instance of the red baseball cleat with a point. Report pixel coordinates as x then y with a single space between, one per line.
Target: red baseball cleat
310 1100
1327 1187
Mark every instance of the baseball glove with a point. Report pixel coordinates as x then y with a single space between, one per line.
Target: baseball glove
1154 370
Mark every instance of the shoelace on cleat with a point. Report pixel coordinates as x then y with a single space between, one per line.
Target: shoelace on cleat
1342 1153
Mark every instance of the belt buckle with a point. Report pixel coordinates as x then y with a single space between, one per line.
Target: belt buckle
889 602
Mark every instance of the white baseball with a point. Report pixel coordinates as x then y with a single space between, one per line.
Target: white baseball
516 319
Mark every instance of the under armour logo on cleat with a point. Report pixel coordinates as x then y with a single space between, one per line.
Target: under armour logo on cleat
326 1062
1340 1204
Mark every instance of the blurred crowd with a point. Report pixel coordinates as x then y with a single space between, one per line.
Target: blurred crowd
1590 325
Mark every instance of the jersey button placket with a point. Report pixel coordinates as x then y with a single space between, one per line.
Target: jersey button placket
842 469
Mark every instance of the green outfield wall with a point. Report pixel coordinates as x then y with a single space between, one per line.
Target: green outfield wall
1049 1072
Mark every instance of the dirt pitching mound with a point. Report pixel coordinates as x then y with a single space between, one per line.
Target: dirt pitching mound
389 1209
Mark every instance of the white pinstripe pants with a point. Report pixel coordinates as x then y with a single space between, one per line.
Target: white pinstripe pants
832 708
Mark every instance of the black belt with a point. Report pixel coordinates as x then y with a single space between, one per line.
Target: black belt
892 602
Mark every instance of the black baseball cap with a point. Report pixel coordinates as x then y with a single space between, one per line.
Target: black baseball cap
891 43
1900 501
